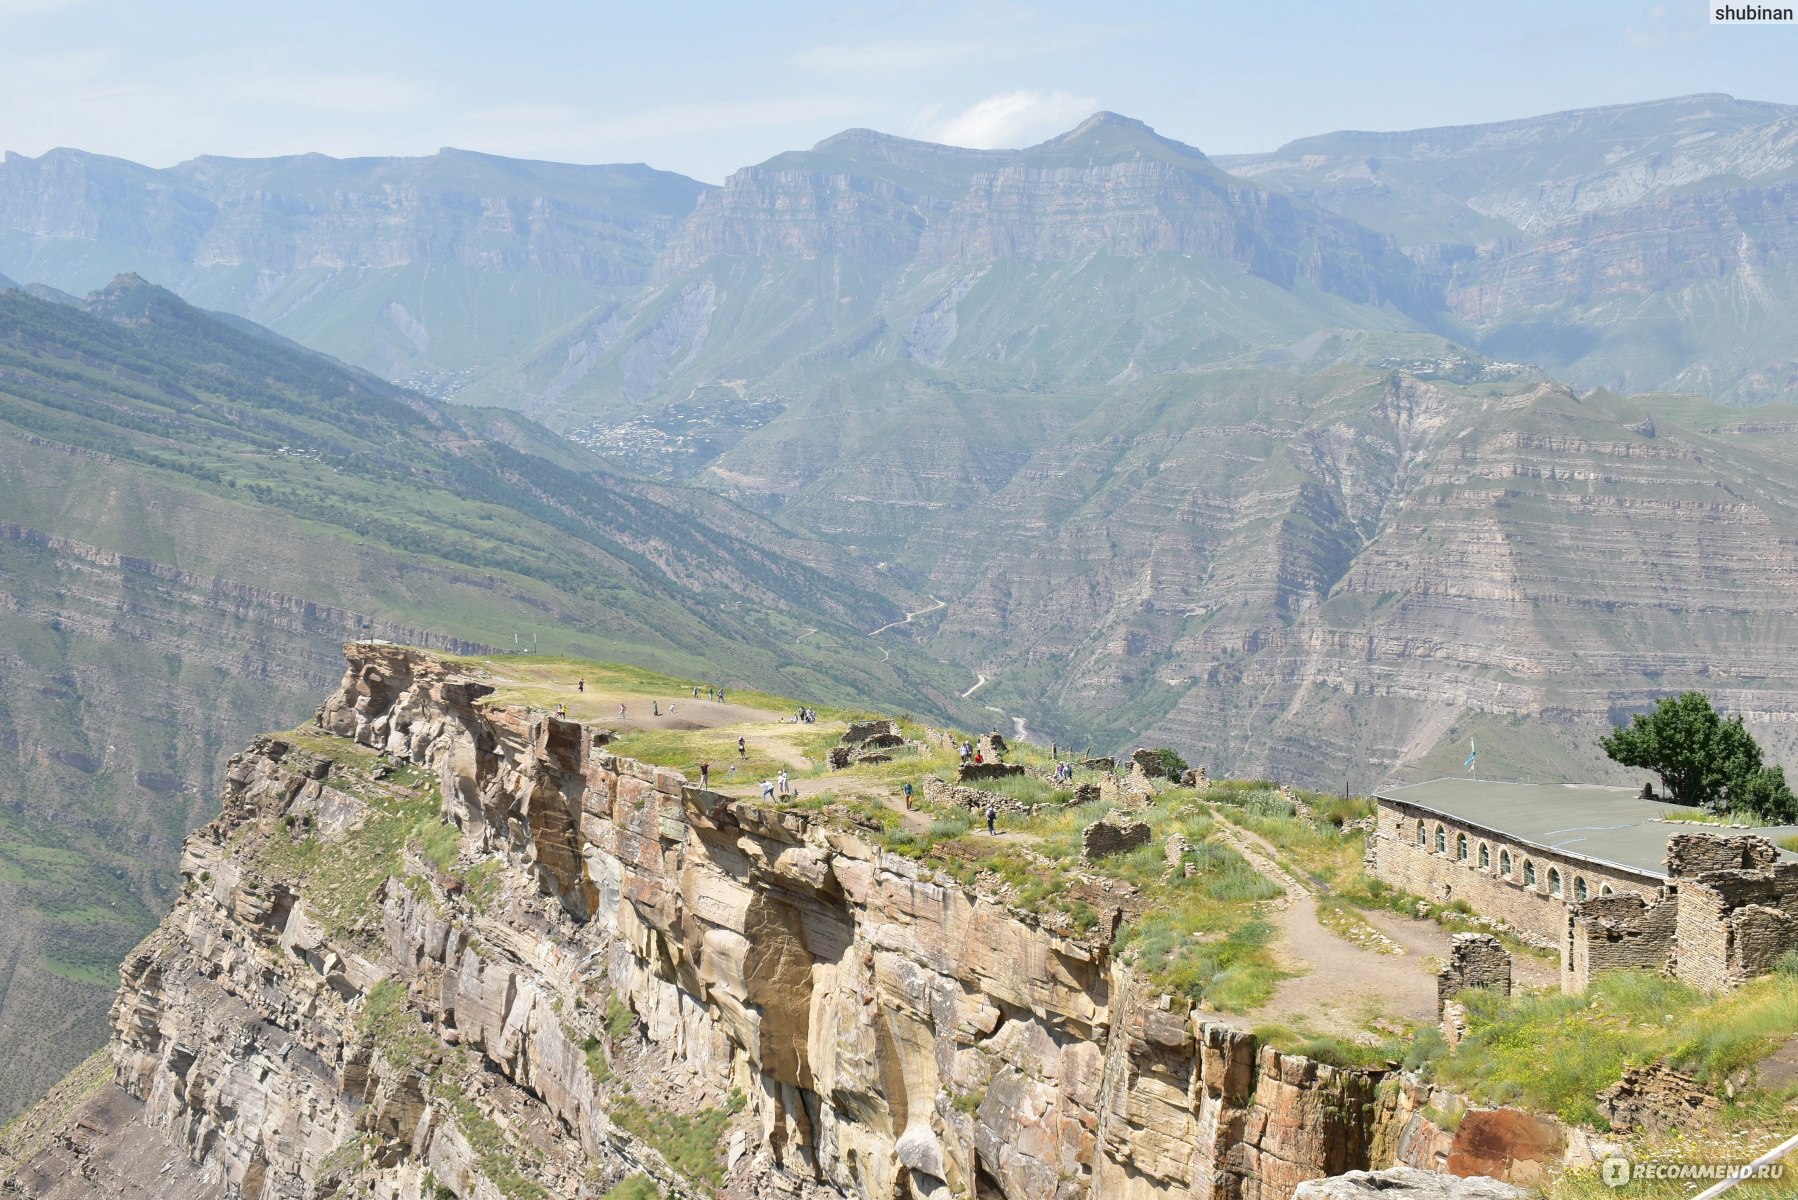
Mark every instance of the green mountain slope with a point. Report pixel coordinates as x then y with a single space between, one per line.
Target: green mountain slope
198 513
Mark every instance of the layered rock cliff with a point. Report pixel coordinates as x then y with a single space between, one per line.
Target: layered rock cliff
434 947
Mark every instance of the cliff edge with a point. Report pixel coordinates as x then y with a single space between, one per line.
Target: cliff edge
437 947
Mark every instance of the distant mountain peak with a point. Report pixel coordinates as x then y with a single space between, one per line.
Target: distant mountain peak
1102 120
1108 137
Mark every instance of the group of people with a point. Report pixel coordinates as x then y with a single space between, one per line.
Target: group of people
970 753
778 786
806 716
711 693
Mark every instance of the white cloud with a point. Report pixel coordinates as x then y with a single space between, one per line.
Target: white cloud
1020 118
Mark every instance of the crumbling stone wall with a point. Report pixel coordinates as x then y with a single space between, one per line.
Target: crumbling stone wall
1102 839
866 742
1533 912
1738 908
973 799
989 770
1695 853
1624 932
1475 960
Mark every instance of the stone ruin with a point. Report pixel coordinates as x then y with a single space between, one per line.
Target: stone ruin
1104 838
988 770
939 793
1300 808
866 742
1728 913
1475 960
1149 761
1099 764
1195 777
1088 793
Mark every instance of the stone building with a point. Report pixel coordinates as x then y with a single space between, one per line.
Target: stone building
1597 873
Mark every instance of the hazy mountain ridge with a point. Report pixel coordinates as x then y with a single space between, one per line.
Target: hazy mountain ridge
567 290
1636 247
198 515
399 264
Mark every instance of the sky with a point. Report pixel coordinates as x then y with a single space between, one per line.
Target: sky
705 88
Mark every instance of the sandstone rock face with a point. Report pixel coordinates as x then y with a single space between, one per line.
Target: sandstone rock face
887 1032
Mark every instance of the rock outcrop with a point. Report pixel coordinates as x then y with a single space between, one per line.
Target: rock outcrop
510 963
1406 1183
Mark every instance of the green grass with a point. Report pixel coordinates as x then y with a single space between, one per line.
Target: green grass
494 1151
1342 1052
341 879
1200 937
691 1143
634 1187
620 1020
396 1031
1552 1052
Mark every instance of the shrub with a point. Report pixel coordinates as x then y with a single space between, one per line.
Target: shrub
620 1020
1165 763
634 1187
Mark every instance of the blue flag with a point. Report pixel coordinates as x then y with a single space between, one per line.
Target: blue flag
1473 752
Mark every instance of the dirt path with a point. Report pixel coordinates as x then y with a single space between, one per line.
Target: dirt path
908 617
1428 938
1337 986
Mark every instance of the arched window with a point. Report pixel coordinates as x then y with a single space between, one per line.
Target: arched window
1423 836
1485 856
1504 863
1529 873
1579 887
1605 890
1554 882
1461 847
1441 840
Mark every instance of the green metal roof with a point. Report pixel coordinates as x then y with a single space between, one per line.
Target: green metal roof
1609 825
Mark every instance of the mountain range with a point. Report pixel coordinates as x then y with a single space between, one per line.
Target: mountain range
197 515
1313 464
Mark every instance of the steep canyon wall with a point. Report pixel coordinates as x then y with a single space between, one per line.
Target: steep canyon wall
330 1006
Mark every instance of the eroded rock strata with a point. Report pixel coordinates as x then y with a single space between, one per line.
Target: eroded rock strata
352 998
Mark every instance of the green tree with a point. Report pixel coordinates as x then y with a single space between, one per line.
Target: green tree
1167 763
1703 758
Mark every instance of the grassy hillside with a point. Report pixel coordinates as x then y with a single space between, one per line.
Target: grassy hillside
198 513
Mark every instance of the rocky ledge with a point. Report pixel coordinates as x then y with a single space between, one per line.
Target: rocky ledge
435 947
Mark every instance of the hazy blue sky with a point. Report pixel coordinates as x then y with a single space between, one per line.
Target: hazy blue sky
705 88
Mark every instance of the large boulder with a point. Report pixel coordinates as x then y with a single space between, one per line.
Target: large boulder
1406 1183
